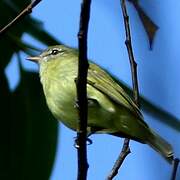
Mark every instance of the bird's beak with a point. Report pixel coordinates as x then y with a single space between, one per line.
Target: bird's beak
34 58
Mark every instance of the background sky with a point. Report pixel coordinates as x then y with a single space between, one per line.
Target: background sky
158 73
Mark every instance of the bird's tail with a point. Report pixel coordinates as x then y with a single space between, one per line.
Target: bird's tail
161 146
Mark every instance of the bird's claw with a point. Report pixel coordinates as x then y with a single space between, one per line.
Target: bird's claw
76 105
76 143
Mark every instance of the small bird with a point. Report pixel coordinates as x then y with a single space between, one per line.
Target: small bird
110 109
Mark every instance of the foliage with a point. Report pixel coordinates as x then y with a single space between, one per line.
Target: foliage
28 130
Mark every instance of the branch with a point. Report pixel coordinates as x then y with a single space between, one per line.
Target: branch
133 63
82 91
126 150
21 15
175 166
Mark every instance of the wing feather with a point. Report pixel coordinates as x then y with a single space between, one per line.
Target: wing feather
99 79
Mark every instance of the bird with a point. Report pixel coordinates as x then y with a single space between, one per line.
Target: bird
110 109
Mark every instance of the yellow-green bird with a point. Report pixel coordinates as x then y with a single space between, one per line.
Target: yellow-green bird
110 109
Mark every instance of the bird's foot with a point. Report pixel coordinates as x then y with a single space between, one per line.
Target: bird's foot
76 143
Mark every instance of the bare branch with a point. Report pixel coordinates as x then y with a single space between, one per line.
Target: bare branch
133 63
21 15
175 167
126 150
82 91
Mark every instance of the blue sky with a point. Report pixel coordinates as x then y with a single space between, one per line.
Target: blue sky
158 72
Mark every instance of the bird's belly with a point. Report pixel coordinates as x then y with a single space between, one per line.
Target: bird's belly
64 109
61 100
62 103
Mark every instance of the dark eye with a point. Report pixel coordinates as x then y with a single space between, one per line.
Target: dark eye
55 51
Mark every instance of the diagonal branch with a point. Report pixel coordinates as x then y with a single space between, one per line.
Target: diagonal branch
126 150
21 15
82 91
175 167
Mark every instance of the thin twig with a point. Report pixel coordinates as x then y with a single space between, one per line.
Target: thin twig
175 167
22 14
126 150
82 91
130 53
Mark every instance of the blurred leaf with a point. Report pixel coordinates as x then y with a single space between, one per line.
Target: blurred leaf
36 30
23 46
5 128
28 132
160 114
10 10
150 108
155 111
34 131
149 26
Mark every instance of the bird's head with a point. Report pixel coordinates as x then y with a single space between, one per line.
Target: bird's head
52 53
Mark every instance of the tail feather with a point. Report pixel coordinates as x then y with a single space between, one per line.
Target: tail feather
161 146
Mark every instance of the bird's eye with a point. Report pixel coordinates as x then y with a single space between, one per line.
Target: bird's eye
55 51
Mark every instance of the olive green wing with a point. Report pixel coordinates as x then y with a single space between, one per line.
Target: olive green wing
101 80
